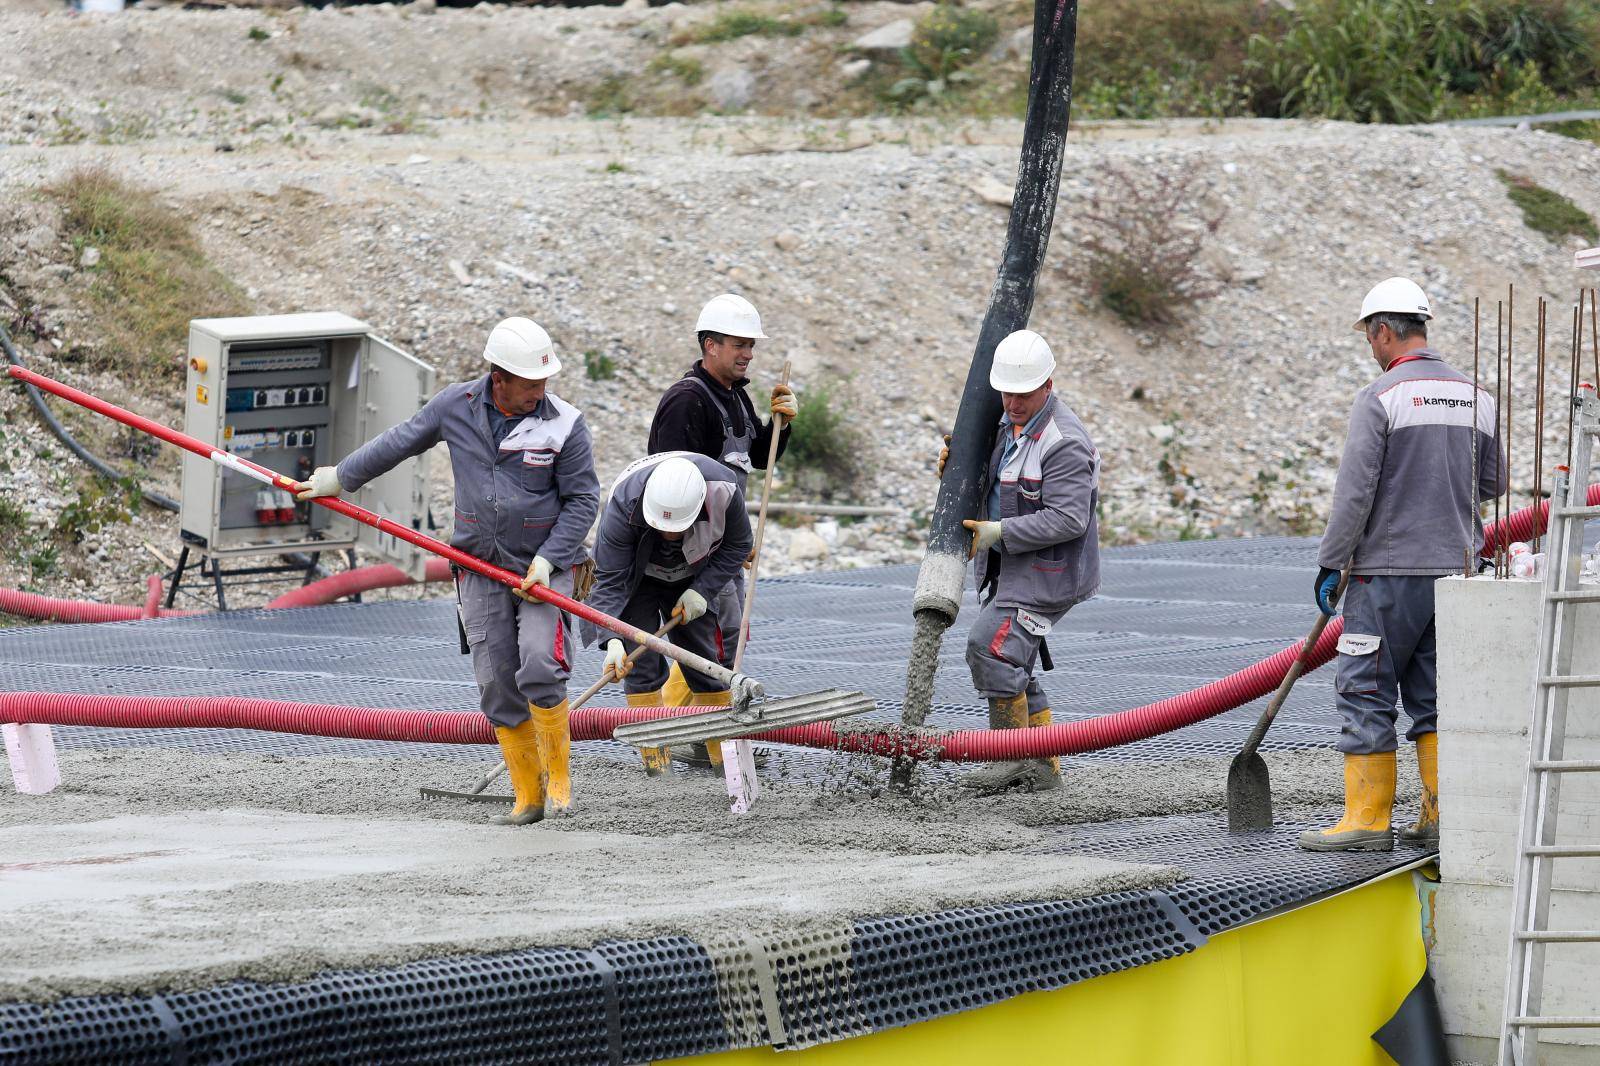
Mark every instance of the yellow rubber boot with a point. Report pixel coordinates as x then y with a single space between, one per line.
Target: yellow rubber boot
520 746
555 748
656 760
675 693
1005 712
1368 804
1426 828
723 698
1049 774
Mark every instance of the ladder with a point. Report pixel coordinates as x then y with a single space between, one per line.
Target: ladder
1537 849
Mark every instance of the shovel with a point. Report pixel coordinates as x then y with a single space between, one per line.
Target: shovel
745 690
1249 785
476 793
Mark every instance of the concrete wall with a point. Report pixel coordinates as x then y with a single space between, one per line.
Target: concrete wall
1488 639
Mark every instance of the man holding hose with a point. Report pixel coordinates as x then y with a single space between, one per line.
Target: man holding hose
673 536
525 496
1405 510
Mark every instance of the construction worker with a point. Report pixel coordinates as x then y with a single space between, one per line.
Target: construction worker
1405 512
1037 547
673 536
526 495
708 411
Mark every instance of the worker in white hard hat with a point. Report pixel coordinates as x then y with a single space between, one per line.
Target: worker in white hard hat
1036 547
1405 512
674 534
708 411
525 496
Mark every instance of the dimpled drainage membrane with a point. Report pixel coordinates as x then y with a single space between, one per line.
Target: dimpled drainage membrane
1174 616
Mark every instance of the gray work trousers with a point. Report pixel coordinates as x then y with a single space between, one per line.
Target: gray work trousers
1001 652
730 610
1387 653
521 651
649 608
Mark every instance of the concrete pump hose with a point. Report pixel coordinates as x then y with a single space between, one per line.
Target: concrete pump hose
597 723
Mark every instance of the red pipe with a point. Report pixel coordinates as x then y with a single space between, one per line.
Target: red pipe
352 582
51 609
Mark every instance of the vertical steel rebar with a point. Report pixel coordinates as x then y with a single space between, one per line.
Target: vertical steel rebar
1577 360
1499 363
1511 333
1477 504
1539 523
1594 332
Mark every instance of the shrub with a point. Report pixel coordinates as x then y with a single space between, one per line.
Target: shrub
688 70
152 277
1141 260
599 366
949 38
611 96
100 503
1547 211
824 450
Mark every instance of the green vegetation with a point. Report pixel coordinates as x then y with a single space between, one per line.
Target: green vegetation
13 520
745 22
258 34
152 277
610 97
824 451
599 366
686 69
100 503
1547 211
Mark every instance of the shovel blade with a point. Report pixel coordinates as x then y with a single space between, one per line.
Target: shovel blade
730 723
470 797
1249 794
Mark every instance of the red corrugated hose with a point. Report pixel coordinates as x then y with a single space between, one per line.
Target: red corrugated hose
597 723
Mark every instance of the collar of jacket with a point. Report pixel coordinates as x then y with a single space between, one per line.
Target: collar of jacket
478 396
1414 354
737 409
1035 425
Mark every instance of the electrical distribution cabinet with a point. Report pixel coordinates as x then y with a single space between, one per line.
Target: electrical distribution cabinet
294 392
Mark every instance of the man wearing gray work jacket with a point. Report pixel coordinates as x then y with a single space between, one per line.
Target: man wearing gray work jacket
525 496
1405 513
1037 548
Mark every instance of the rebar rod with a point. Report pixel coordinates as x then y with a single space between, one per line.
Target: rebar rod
1470 566
1499 363
1538 435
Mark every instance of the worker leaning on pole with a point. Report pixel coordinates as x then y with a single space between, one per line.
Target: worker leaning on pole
1037 547
708 411
525 496
1405 510
674 534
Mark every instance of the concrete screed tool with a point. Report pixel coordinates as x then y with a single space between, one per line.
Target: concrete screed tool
750 711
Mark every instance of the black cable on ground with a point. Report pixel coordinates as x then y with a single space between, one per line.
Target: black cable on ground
151 496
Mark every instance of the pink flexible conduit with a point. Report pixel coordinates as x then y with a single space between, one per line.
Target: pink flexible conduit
597 723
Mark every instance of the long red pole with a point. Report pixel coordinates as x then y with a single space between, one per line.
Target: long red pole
735 682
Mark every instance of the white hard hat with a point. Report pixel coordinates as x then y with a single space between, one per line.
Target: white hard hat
520 346
1022 362
673 495
731 315
1400 296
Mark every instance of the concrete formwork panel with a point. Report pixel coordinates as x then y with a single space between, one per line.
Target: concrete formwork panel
1488 635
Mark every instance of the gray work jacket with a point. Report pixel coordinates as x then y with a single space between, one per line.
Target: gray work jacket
535 493
1405 501
715 547
1048 557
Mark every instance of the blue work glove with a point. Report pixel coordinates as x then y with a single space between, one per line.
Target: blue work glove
1327 588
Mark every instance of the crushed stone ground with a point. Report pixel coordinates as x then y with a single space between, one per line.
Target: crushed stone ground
182 870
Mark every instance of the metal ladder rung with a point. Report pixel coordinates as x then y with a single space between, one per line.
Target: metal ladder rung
1576 512
1571 680
1561 936
1565 851
1570 1021
1576 596
1568 766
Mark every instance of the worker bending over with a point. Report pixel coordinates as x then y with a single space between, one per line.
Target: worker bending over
526 494
1037 547
708 412
673 535
1405 510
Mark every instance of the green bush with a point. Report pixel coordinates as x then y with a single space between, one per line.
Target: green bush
598 366
1147 59
1547 211
688 70
100 503
824 450
949 38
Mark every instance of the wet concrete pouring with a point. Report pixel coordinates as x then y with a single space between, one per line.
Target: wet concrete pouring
184 858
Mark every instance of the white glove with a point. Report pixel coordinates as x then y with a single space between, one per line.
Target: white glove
538 573
985 535
691 605
617 664
324 482
784 405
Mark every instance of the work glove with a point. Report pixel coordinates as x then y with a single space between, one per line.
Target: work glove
784 404
985 535
617 664
1327 588
691 605
583 580
944 457
538 573
324 482
750 560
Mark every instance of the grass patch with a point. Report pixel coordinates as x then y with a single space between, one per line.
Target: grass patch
744 22
1547 211
598 366
824 454
686 69
100 503
152 277
258 34
610 96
